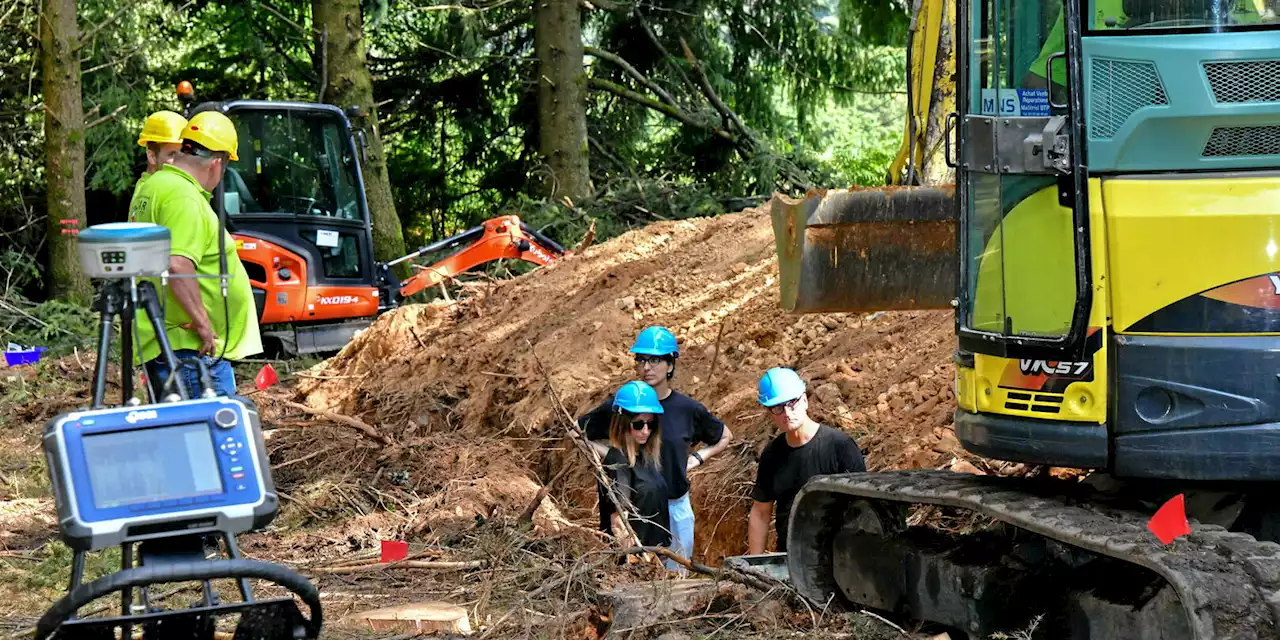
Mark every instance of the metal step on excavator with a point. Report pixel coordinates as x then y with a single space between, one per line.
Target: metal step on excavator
1108 244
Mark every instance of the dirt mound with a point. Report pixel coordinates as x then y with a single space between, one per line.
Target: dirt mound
462 375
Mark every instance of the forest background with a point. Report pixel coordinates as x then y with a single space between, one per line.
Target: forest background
566 112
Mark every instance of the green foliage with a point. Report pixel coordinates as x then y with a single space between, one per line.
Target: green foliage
859 142
817 84
21 143
461 124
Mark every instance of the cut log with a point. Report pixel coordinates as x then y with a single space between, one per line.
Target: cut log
430 617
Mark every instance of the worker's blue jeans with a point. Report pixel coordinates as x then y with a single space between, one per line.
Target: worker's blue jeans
681 523
224 377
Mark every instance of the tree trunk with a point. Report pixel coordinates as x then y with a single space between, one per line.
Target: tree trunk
64 147
562 113
345 81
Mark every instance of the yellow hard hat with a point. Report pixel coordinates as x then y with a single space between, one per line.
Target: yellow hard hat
162 126
214 131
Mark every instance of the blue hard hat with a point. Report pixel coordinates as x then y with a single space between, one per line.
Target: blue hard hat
637 397
779 385
656 341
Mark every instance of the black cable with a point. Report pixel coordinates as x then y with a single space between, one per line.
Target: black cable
219 195
143 575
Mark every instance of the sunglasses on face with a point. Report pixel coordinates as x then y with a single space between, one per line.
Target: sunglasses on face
777 410
641 425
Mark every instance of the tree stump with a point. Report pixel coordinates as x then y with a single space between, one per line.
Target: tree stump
431 617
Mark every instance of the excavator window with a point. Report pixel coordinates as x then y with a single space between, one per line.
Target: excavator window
1020 247
1217 15
300 164
296 162
339 252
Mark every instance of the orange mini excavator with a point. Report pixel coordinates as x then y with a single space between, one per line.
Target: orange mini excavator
294 201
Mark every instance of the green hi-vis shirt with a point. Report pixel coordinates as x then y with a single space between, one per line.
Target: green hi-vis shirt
136 188
172 198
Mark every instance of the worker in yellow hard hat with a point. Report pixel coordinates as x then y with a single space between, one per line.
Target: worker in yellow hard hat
162 137
197 321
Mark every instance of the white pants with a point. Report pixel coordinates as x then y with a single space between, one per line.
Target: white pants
681 525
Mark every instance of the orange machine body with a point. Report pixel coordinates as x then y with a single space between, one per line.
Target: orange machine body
282 275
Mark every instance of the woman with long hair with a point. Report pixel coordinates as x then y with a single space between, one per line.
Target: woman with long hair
634 464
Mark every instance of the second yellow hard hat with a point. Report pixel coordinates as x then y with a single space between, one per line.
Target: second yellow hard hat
162 126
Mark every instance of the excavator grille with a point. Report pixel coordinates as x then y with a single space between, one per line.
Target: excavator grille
1243 141
1237 82
1121 87
1033 402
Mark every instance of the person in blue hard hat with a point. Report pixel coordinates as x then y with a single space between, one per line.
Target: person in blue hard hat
634 464
685 421
802 450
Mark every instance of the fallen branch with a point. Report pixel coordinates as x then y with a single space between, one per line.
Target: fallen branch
527 516
106 118
354 423
587 239
752 145
885 621
537 592
666 55
439 565
715 357
759 582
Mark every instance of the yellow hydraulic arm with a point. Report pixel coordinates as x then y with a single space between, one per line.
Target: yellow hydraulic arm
931 91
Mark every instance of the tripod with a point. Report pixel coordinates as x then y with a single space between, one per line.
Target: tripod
121 298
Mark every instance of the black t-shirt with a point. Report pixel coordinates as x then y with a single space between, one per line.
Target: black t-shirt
684 421
784 469
645 487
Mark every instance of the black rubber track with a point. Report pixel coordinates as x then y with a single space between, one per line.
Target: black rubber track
1228 583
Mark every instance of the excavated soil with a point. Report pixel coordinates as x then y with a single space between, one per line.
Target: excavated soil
470 420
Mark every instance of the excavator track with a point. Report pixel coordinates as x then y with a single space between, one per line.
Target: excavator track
1227 583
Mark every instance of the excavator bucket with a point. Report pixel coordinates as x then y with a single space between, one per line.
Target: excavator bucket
888 248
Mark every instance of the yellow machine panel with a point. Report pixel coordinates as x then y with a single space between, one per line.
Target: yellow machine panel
1184 250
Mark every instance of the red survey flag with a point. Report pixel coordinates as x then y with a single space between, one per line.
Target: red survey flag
1170 520
266 377
393 550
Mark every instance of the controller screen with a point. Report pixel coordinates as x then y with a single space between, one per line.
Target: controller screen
150 465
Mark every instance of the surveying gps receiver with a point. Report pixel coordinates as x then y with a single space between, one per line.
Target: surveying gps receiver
164 480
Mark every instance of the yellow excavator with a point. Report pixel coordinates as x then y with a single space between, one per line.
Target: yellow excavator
1093 188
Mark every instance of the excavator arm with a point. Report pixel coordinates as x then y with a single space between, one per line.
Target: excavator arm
496 239
890 247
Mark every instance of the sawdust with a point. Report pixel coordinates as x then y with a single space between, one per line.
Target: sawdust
456 386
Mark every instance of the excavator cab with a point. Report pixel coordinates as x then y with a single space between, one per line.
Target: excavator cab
295 203
1109 249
